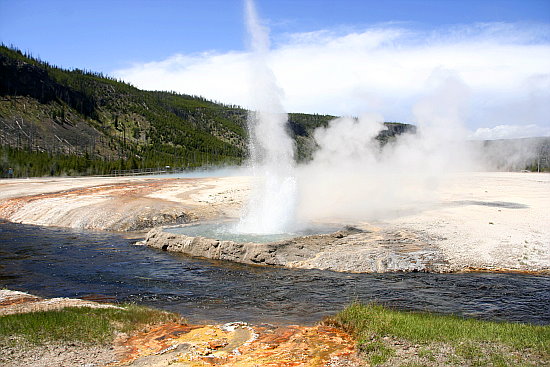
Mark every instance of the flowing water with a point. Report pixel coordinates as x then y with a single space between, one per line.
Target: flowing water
63 263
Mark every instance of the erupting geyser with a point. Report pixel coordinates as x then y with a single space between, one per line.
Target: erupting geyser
272 205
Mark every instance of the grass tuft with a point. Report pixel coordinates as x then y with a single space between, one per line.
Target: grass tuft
80 324
474 342
376 351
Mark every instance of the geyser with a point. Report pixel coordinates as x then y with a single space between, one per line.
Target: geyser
352 178
272 205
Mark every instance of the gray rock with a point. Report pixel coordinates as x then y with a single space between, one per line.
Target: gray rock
348 250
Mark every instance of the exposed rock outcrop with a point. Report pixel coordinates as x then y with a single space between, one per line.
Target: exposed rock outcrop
348 250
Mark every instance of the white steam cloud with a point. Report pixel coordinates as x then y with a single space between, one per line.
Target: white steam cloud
353 178
505 67
510 132
482 81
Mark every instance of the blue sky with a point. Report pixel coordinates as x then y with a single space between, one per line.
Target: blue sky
156 44
107 35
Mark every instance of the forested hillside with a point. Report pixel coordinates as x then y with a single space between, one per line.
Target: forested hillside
70 122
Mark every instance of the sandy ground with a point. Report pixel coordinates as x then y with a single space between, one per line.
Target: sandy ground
482 220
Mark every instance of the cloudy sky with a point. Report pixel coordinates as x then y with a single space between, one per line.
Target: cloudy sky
346 57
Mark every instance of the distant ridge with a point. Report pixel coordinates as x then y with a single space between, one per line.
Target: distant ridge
72 122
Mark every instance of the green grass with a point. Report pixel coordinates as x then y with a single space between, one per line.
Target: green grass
474 342
377 351
80 324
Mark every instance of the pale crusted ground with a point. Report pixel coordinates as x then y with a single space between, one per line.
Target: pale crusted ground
56 354
17 352
489 220
121 203
13 302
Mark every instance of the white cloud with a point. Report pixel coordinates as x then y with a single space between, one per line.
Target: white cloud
510 131
506 68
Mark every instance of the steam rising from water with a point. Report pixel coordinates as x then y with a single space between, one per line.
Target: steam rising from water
271 208
351 177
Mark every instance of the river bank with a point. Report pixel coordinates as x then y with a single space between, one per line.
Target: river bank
479 221
73 332
372 249
156 338
96 265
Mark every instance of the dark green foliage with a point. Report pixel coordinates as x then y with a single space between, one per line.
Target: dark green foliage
79 122
301 127
24 163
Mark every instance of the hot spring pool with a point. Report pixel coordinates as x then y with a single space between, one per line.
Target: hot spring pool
226 231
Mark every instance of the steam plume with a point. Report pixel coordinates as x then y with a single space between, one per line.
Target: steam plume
271 208
355 179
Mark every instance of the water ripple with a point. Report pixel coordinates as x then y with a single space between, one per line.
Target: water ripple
54 262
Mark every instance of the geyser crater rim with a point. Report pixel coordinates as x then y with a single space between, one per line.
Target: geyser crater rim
225 230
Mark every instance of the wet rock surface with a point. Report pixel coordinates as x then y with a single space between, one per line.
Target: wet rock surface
238 344
13 302
349 250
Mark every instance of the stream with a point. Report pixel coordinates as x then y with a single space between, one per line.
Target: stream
55 262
